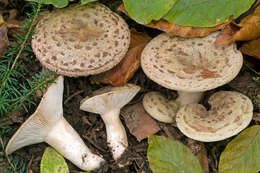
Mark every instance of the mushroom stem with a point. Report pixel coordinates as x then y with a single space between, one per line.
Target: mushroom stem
67 142
188 97
116 135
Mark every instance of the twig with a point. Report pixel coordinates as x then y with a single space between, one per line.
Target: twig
9 162
73 95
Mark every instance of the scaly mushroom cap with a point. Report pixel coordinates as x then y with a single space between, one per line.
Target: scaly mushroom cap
190 64
81 40
160 108
230 113
109 98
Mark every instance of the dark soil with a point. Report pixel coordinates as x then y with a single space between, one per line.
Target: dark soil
91 128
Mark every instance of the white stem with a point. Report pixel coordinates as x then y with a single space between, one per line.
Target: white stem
68 143
116 135
188 97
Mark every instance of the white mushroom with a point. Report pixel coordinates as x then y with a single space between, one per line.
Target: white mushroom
230 113
81 40
191 65
47 124
107 102
160 108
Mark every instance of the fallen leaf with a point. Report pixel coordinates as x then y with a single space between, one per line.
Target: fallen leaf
251 48
256 116
178 30
226 35
124 71
249 29
139 123
53 162
242 153
3 36
166 155
199 150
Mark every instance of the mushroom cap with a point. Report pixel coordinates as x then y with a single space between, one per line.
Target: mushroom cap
37 126
81 40
109 98
159 107
230 113
190 64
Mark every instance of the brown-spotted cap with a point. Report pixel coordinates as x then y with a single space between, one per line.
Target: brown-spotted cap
81 40
190 64
230 113
159 107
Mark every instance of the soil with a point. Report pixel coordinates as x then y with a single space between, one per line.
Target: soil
91 128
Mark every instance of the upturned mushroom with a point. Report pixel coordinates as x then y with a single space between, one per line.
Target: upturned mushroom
81 40
159 107
190 65
47 124
107 102
230 113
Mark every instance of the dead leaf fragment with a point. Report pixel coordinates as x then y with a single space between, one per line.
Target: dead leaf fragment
124 71
3 36
139 123
252 48
178 30
256 116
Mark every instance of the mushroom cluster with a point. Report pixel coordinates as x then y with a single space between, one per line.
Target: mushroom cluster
81 40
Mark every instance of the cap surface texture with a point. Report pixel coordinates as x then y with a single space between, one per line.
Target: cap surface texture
190 64
81 40
230 113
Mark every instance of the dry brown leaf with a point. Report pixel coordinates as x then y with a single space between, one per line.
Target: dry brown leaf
3 36
120 74
256 116
178 30
138 121
252 48
199 150
247 29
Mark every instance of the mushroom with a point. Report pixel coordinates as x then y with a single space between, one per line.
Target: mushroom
47 124
190 65
230 113
107 102
160 108
81 40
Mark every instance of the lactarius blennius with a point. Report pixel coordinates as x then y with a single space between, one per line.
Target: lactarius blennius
107 102
47 124
81 40
230 113
190 65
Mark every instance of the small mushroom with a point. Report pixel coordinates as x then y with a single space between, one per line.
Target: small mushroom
160 108
190 65
47 124
107 102
81 40
230 113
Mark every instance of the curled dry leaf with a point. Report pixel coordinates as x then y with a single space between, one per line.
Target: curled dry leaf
178 30
249 30
120 74
252 48
3 36
138 121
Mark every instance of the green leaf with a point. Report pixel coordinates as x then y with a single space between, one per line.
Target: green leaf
168 156
87 1
144 11
206 13
242 154
56 3
53 162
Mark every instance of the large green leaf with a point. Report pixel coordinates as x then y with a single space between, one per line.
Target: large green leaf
144 11
53 162
242 154
168 156
206 13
